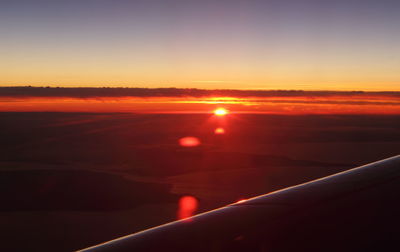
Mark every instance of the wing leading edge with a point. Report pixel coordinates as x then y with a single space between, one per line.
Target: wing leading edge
355 210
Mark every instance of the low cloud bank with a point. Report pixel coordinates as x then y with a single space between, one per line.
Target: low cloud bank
86 92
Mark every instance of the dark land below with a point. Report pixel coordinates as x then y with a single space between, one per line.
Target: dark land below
72 180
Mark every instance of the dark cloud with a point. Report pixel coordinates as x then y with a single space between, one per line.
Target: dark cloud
86 92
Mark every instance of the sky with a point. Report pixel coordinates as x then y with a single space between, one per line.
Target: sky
235 44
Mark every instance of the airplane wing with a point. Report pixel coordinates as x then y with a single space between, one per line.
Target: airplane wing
355 210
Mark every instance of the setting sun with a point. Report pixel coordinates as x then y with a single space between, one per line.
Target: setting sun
220 112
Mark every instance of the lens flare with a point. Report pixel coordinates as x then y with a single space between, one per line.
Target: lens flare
187 207
220 112
189 141
219 131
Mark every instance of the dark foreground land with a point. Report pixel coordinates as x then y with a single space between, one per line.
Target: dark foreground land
71 180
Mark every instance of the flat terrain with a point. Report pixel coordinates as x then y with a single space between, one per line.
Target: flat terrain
71 180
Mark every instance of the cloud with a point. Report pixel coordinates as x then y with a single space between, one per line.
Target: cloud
86 92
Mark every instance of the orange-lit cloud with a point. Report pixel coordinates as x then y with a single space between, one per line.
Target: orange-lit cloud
267 102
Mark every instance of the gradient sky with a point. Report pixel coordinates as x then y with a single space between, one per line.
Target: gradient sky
248 44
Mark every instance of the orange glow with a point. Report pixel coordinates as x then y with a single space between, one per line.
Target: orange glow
219 131
296 105
187 207
189 141
241 201
220 112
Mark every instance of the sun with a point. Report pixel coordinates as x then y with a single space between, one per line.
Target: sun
220 112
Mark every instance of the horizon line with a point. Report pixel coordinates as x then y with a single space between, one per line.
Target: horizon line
239 90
